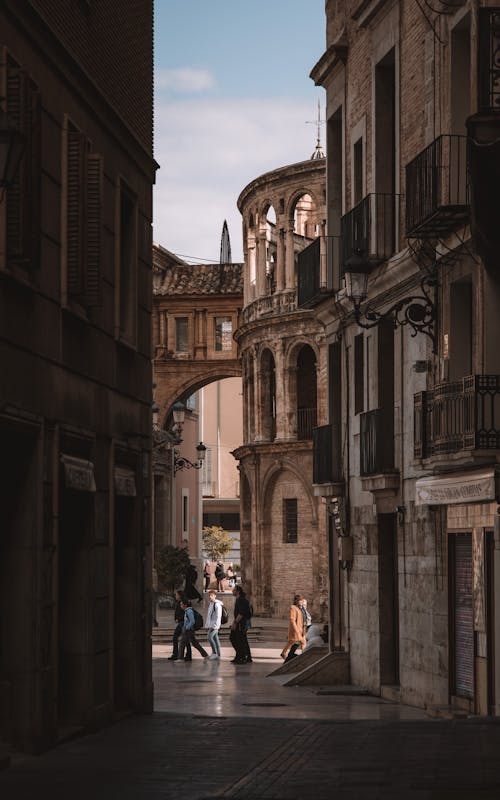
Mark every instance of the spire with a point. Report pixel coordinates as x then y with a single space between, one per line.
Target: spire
225 245
318 150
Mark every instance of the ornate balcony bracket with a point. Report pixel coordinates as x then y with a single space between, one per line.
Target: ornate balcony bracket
416 311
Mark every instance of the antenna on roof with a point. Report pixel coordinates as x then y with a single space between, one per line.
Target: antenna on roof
225 246
318 150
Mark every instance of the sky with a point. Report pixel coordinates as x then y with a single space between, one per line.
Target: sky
232 97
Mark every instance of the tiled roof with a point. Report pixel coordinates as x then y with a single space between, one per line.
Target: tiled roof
199 279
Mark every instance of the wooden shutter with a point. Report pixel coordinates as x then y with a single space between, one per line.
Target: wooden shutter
94 227
23 196
463 615
75 203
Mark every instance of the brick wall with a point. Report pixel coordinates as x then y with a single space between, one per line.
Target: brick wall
113 42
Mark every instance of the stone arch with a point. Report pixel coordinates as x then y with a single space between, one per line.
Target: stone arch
271 475
295 196
304 213
186 388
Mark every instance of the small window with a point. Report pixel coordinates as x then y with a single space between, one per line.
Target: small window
191 402
181 335
290 521
223 334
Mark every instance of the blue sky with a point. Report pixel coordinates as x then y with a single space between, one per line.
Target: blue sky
232 98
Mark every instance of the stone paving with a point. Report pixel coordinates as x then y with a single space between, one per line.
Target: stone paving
226 731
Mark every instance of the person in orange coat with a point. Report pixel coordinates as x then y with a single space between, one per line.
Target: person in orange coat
296 626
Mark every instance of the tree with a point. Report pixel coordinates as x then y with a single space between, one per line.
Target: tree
216 542
171 565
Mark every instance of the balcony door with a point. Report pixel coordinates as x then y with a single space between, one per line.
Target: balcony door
388 599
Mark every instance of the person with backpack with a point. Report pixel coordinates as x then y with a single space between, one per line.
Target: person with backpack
215 618
239 627
179 623
219 576
193 621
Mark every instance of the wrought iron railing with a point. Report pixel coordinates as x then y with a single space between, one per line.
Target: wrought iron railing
369 229
376 442
458 415
437 188
327 464
306 421
489 59
315 268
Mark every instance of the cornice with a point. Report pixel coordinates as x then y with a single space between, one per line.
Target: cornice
335 55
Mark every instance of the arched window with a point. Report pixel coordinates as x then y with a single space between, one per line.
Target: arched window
306 392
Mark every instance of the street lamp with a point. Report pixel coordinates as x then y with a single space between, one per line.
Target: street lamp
11 151
417 311
180 462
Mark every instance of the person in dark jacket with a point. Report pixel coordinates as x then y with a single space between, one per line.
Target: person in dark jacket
188 636
179 622
239 627
219 576
190 590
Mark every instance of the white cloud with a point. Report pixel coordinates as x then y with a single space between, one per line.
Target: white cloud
184 79
208 151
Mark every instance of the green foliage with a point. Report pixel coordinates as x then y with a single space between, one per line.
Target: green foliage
237 568
216 542
171 565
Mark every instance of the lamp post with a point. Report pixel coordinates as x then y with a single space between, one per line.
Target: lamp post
416 311
180 462
11 151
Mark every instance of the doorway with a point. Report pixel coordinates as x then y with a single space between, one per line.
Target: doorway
461 616
126 564
388 599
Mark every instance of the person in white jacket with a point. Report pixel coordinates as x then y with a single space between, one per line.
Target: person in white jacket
213 623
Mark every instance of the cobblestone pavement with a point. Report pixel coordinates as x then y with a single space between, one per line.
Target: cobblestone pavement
207 742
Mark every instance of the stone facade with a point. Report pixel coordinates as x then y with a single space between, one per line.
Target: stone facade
416 603
75 396
284 366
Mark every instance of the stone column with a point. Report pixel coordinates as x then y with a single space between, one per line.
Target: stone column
290 259
280 261
256 410
281 396
261 265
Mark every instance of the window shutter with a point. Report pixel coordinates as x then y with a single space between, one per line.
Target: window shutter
207 474
94 217
74 209
23 196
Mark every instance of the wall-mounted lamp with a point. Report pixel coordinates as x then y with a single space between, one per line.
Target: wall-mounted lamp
401 512
417 311
180 462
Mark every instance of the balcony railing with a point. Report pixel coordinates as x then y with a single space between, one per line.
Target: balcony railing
369 229
327 465
376 443
437 189
459 415
306 421
316 270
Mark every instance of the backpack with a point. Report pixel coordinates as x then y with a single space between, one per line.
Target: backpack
225 616
198 620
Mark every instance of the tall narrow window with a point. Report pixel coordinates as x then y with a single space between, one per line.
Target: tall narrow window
22 233
181 335
127 264
358 171
207 474
223 334
359 374
384 212
290 535
185 512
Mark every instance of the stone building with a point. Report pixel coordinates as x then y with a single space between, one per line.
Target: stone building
75 343
284 366
408 463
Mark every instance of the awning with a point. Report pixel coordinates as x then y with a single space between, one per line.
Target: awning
78 473
125 482
469 487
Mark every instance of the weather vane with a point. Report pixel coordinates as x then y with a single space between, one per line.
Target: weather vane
318 152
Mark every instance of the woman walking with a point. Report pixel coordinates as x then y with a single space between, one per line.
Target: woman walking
296 626
213 623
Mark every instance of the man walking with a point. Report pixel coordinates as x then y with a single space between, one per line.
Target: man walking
239 627
188 633
179 622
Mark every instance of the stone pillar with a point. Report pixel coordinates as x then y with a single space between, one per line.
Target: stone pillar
281 397
290 259
280 261
323 275
261 265
256 410
163 328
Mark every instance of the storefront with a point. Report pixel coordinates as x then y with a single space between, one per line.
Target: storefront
473 536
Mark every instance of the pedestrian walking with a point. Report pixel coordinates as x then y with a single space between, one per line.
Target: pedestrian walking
307 624
188 633
179 622
206 576
239 627
230 576
296 626
219 576
190 590
213 623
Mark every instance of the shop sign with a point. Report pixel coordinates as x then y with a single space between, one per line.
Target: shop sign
472 487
